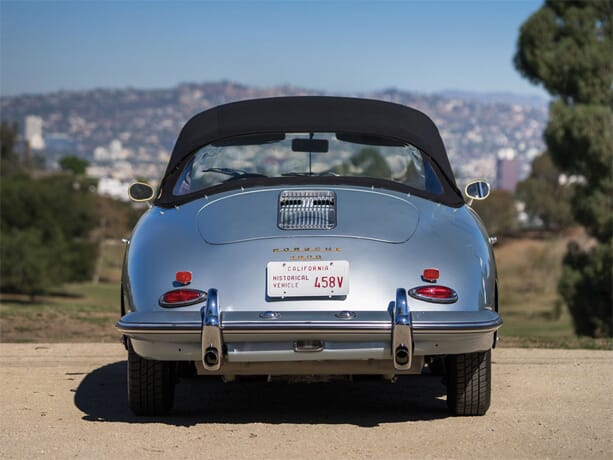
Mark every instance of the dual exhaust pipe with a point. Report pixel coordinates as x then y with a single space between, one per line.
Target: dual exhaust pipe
402 335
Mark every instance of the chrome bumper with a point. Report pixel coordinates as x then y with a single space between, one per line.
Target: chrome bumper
225 339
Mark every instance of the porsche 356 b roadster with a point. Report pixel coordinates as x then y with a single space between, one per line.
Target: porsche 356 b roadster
304 236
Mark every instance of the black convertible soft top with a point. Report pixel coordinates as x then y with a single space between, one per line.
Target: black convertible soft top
310 114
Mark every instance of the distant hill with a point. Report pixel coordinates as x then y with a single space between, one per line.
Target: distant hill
133 130
536 101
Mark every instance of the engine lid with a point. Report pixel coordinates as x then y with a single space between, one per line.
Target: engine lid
338 212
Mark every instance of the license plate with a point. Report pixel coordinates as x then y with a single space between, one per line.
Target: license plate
307 278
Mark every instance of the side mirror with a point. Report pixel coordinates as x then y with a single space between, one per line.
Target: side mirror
477 190
140 191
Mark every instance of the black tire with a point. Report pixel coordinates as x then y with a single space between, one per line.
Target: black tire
469 383
151 384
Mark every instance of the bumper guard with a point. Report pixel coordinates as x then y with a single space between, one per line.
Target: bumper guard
212 350
402 335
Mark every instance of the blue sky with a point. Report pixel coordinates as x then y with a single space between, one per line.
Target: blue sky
335 46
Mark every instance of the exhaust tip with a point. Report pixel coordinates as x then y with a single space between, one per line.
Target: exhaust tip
402 355
211 357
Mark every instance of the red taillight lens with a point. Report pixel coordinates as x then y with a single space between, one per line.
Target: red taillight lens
182 297
438 294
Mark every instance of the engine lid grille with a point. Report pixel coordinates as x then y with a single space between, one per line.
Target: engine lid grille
307 210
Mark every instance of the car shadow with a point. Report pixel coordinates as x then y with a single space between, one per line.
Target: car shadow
102 397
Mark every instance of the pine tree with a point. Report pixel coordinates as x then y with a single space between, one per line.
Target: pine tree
567 46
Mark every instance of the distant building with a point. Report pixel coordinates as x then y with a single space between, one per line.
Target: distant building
33 132
113 152
508 169
114 188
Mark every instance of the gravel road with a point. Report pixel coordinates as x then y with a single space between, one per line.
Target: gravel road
69 401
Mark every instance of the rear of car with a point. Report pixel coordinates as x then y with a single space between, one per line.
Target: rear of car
309 236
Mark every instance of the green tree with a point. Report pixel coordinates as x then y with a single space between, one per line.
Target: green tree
74 164
30 262
9 157
371 163
46 226
498 213
544 196
116 219
586 276
567 47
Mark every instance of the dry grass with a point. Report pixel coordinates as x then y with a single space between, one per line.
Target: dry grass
528 273
110 261
534 314
80 313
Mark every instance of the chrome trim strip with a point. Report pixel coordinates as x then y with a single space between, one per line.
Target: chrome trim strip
457 328
157 329
292 326
303 330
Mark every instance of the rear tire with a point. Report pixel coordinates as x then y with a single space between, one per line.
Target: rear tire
469 381
151 384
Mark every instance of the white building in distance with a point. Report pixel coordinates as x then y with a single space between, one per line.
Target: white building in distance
33 132
114 188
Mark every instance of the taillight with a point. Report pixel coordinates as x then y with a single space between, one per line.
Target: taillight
182 297
436 294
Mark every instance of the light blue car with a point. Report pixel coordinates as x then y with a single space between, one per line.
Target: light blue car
309 236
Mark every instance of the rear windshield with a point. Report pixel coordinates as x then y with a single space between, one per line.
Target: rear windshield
304 155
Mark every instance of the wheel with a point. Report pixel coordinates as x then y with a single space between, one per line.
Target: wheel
469 382
151 384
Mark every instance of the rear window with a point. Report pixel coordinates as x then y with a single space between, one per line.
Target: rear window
307 154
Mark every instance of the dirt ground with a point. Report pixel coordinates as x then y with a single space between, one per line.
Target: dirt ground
69 401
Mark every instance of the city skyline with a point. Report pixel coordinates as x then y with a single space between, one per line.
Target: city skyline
339 46
129 133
